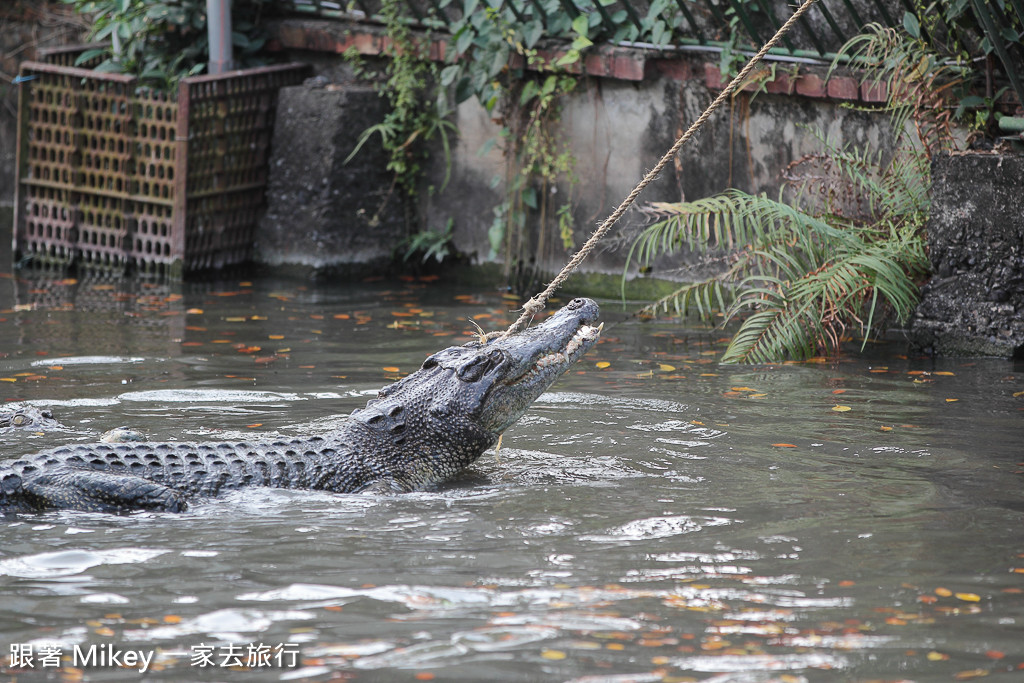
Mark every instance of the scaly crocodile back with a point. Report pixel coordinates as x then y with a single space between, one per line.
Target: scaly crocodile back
186 469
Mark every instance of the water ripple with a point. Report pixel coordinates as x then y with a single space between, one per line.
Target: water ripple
70 562
656 527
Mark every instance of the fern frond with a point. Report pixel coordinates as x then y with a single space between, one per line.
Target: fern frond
706 296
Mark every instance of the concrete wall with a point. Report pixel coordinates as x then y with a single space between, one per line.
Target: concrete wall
627 111
618 129
974 303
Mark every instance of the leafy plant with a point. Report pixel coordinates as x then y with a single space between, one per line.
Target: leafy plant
163 41
847 249
497 59
430 244
417 112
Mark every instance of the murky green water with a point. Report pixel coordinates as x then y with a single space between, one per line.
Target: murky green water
657 517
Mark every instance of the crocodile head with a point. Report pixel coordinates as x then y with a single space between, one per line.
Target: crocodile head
29 419
484 387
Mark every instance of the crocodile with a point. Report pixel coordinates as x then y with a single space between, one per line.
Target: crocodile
418 432
28 418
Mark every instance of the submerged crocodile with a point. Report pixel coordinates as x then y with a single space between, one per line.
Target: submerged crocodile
417 432
28 418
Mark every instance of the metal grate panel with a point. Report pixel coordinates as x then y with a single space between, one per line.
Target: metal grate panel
112 176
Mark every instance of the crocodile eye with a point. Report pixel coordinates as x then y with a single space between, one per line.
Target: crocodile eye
20 420
474 369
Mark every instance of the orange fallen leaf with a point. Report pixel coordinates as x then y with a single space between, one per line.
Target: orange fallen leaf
784 445
389 368
602 364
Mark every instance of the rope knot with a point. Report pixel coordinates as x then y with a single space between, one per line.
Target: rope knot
534 306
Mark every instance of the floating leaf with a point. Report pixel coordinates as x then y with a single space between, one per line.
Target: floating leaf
968 597
944 373
390 368
743 389
943 592
664 367
839 391
602 364
275 336
952 400
934 656
841 409
553 654
784 445
884 428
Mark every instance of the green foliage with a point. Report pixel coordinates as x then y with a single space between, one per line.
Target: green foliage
430 244
846 250
417 114
163 41
497 59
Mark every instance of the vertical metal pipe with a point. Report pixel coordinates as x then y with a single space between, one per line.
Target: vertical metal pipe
218 27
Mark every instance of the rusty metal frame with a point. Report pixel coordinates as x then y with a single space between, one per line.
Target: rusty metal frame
112 176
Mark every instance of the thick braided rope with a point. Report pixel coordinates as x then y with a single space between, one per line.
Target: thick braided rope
536 304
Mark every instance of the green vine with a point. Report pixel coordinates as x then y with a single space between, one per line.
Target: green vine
418 111
497 60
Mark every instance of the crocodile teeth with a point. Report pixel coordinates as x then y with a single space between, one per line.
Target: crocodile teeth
584 334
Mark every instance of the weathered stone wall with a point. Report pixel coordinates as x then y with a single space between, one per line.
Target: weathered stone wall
321 211
974 303
619 129
625 113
